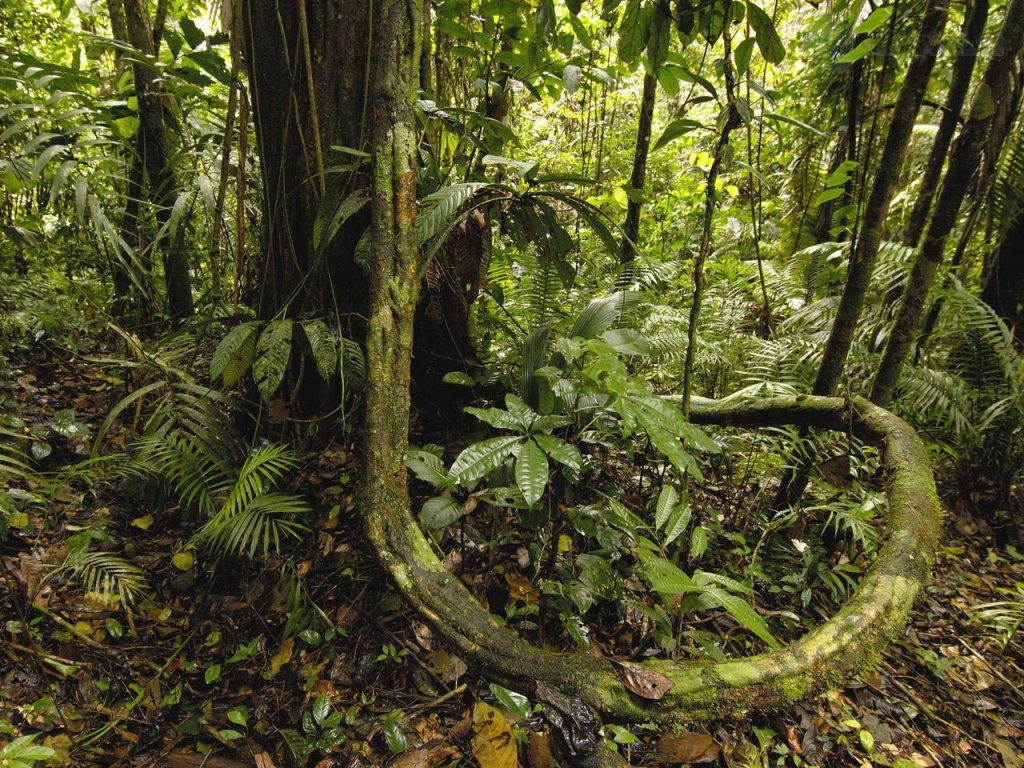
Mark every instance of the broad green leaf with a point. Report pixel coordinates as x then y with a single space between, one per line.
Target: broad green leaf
633 31
520 411
273 351
676 523
514 702
324 346
440 511
667 501
698 542
481 458
496 417
601 313
742 611
675 129
828 195
235 353
665 577
741 55
427 467
863 48
560 451
626 341
877 18
531 472
321 708
767 36
659 37
460 378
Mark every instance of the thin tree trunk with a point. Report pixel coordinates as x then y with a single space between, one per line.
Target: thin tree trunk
732 121
862 260
155 150
966 154
971 32
217 225
631 228
426 56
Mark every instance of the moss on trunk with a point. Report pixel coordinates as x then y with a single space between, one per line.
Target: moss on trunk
823 658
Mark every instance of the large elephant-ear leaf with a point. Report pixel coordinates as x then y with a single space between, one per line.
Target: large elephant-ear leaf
273 351
324 346
234 354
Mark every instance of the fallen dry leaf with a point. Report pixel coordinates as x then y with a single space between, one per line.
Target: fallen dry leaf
494 746
263 760
539 754
427 756
645 683
686 749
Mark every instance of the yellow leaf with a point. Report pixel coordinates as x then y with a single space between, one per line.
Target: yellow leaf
184 560
564 543
494 745
143 522
283 656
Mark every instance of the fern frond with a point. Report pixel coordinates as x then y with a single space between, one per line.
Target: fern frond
940 397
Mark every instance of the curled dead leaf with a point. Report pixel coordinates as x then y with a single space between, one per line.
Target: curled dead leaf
645 683
687 749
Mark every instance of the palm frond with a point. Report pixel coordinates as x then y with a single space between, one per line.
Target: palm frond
106 574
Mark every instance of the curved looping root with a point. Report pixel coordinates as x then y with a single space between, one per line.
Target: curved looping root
822 659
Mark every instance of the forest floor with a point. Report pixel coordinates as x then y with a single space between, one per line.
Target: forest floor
227 665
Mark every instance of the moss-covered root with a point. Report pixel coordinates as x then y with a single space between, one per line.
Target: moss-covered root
699 690
821 659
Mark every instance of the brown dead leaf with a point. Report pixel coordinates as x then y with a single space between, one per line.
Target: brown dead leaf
427 756
277 411
447 667
283 656
686 749
520 588
1012 758
461 729
424 635
645 683
263 760
494 745
539 754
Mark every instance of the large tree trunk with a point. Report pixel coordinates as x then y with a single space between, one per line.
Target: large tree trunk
307 65
865 250
971 32
993 92
1004 284
154 148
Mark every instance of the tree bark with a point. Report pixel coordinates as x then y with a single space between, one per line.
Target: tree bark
1004 284
971 32
296 130
994 89
631 227
154 148
865 250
